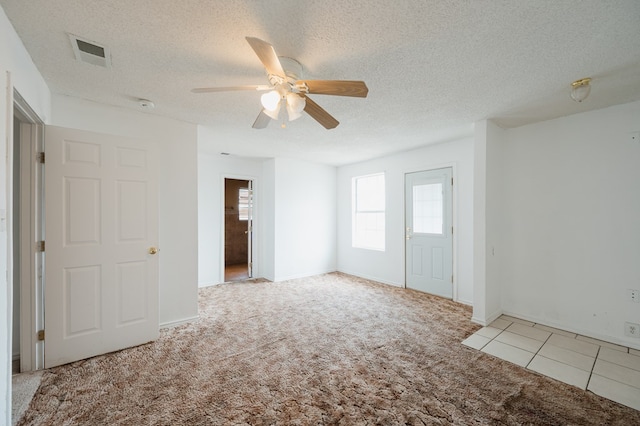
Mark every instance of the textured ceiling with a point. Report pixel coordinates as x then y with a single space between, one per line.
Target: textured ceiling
432 67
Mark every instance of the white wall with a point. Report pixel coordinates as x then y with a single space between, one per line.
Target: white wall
571 229
494 215
25 77
388 266
487 222
296 211
304 219
16 70
268 244
178 199
212 169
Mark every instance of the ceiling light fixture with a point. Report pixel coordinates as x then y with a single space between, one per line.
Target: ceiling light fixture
580 89
295 106
272 102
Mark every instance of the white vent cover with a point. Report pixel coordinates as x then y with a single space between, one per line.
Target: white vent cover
90 52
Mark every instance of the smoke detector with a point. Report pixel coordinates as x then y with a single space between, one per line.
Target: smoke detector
146 104
90 52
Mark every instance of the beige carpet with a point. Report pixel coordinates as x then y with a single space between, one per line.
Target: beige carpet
331 349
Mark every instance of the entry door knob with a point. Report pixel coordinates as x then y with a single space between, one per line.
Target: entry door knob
153 250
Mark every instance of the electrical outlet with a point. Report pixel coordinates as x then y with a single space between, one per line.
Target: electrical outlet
631 329
634 295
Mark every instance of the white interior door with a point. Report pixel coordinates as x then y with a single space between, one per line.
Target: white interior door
429 232
101 278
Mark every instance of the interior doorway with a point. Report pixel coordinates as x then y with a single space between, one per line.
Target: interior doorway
27 228
238 229
15 331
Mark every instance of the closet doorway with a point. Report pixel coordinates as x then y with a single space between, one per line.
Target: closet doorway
238 229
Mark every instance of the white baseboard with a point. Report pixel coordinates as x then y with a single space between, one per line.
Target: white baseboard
380 280
298 276
371 278
488 320
208 285
577 330
176 323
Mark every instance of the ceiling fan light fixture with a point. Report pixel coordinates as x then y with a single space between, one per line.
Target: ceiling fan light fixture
295 106
273 113
293 114
580 89
271 100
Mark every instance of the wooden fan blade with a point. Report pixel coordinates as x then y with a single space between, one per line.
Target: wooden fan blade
267 55
319 114
261 121
230 88
336 87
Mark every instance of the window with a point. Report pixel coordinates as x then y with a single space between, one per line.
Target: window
428 209
368 212
243 204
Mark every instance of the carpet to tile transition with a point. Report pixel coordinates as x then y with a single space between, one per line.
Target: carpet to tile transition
331 349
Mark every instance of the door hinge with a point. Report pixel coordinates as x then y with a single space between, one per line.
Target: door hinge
451 279
40 246
452 230
451 181
41 335
40 157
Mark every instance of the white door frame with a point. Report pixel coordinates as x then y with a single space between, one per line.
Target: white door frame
254 223
31 230
250 231
454 218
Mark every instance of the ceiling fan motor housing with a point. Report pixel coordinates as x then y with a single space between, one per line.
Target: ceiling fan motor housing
292 68
293 73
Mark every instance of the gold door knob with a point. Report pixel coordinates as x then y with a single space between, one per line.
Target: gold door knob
153 250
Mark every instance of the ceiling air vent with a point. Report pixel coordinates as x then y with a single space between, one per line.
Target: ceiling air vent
90 52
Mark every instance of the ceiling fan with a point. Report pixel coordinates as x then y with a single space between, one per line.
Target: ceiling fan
286 88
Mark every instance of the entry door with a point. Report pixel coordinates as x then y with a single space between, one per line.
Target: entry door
429 232
101 274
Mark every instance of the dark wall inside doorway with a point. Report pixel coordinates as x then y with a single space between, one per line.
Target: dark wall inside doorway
235 238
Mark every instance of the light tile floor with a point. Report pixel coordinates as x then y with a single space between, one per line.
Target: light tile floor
606 369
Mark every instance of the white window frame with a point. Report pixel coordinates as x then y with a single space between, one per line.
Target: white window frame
243 207
373 238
